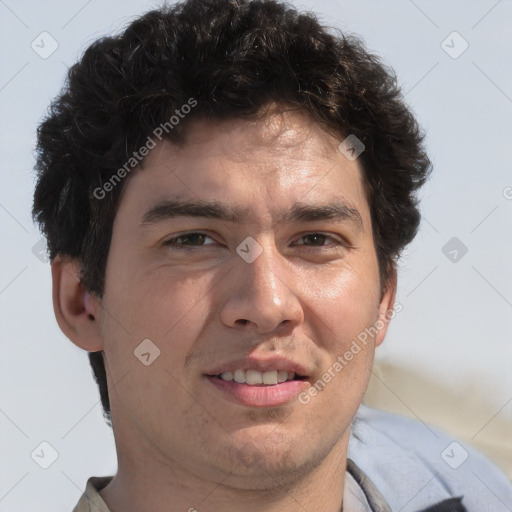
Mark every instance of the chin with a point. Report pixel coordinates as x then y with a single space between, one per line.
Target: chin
268 475
268 462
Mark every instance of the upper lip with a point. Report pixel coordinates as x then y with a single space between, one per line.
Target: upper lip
260 363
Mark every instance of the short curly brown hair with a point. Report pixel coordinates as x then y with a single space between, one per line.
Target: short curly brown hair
234 57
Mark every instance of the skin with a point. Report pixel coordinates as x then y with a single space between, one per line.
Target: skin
182 443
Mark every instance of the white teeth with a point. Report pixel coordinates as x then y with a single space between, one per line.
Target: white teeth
270 377
282 376
239 376
255 377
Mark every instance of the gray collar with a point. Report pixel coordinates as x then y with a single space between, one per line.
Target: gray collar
378 503
373 496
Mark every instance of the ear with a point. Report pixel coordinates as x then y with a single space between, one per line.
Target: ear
387 308
75 309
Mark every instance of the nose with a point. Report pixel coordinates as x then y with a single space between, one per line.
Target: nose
260 295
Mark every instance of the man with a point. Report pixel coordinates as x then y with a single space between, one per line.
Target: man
186 177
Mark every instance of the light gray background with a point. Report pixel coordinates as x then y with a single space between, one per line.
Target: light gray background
455 328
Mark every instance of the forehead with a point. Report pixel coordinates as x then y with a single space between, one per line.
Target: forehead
263 165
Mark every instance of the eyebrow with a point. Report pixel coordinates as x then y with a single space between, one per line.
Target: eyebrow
168 209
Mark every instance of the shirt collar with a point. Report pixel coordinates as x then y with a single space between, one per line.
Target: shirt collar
359 495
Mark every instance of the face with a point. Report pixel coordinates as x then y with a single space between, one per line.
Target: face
247 254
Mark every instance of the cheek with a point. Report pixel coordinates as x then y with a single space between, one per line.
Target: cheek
162 305
343 313
343 301
159 314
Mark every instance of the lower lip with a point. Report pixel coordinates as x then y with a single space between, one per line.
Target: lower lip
260 396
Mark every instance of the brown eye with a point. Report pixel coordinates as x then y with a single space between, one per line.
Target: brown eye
317 239
186 240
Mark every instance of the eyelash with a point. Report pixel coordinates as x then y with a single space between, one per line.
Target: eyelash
172 242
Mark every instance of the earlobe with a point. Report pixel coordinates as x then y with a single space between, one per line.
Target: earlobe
386 307
76 310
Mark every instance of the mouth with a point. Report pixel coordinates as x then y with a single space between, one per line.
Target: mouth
259 378
255 388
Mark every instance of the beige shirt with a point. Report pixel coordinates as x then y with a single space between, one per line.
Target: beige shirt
353 496
91 501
